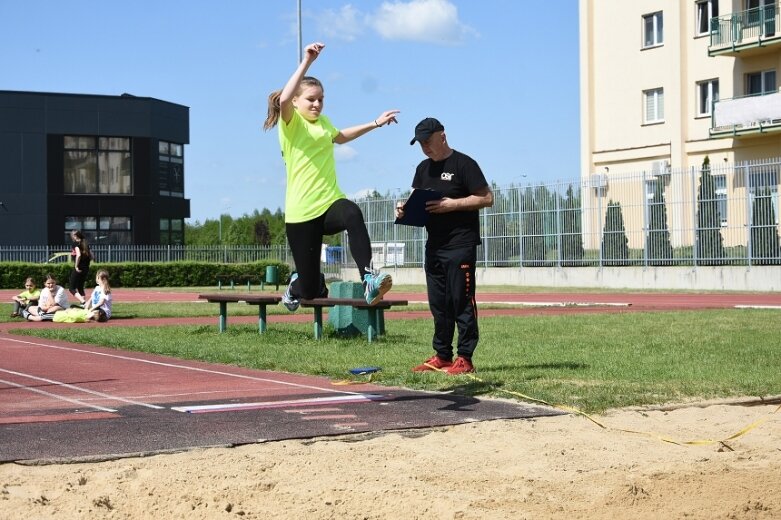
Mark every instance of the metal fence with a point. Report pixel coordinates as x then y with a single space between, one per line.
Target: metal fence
150 253
721 214
724 214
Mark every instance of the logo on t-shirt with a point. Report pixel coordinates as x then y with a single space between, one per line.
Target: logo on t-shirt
447 176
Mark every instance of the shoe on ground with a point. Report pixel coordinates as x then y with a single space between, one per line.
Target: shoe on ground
460 366
288 301
377 284
15 314
433 363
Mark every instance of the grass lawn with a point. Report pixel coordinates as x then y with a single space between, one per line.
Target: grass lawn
593 362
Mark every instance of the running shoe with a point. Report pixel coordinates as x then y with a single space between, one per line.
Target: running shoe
461 365
433 363
376 285
288 300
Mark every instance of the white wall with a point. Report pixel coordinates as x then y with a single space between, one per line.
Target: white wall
727 278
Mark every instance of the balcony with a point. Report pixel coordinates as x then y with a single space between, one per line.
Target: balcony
748 115
748 32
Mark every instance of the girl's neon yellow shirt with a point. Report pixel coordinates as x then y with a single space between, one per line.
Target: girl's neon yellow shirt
308 152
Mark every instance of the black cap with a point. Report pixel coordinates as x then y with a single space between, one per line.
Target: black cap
426 129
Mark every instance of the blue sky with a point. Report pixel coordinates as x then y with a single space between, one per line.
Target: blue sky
501 75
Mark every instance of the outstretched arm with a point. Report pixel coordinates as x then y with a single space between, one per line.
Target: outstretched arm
312 51
348 134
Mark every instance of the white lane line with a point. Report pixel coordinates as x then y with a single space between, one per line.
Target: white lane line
567 304
80 389
183 367
57 397
758 306
206 408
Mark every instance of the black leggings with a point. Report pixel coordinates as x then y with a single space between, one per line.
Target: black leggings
306 239
77 280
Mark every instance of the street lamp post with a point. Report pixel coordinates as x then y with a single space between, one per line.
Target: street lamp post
300 47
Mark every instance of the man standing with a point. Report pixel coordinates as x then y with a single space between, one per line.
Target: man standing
453 229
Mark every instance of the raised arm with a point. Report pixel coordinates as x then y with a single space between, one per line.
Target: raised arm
286 107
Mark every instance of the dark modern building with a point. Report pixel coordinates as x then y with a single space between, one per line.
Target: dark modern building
112 166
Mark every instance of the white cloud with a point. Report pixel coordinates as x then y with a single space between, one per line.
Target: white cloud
344 152
430 21
362 194
345 24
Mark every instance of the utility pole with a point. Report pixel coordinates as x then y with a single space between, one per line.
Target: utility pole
300 45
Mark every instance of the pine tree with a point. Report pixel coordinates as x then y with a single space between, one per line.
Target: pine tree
765 249
532 232
710 243
659 249
615 244
571 229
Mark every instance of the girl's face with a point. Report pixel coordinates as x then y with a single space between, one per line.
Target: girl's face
50 284
309 102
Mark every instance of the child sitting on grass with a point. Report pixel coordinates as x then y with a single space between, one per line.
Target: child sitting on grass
99 305
26 298
53 298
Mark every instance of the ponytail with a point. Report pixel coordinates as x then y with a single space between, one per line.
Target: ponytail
274 109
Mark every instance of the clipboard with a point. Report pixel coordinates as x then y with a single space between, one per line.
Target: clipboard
415 213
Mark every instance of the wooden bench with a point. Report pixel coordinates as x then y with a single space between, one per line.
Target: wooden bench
261 300
376 325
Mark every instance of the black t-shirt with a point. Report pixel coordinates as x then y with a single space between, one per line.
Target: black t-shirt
456 177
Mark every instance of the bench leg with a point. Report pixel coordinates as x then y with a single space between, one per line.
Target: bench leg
371 329
318 322
261 318
223 316
380 322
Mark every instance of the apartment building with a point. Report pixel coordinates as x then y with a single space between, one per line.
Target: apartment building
665 83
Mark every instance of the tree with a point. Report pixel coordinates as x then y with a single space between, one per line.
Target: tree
765 249
659 250
262 232
710 243
615 244
533 241
571 230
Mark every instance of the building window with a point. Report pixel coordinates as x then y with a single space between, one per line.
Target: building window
761 83
762 12
720 184
171 169
653 30
101 230
706 9
101 165
172 231
707 94
763 182
653 105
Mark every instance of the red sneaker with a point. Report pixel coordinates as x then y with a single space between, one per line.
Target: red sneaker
433 363
461 366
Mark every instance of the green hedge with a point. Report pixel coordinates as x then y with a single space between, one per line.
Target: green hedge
140 274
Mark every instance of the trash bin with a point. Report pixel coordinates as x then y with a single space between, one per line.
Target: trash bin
272 275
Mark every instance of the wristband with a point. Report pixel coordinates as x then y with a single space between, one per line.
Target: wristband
375 123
